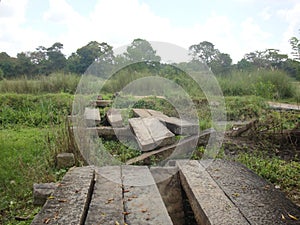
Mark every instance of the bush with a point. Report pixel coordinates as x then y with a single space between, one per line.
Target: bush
54 83
264 83
34 110
1 74
282 84
244 108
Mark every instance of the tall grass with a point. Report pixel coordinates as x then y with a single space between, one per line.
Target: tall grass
54 83
264 83
23 162
28 110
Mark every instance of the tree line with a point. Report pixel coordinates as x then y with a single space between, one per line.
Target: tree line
47 60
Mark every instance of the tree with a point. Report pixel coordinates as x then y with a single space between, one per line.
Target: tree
39 58
267 59
78 62
204 52
141 50
274 58
73 63
24 64
221 64
295 43
244 65
1 74
7 65
56 60
39 55
292 67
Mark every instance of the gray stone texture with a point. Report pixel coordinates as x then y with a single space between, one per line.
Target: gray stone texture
65 160
41 192
69 202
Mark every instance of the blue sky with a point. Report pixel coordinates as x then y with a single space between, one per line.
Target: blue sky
235 27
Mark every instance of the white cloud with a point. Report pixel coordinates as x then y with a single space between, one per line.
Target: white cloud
252 36
14 36
118 22
265 14
60 11
292 17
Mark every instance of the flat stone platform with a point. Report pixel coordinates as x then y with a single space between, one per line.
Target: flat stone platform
219 192
114 195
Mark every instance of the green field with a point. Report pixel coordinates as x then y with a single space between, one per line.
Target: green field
33 130
29 129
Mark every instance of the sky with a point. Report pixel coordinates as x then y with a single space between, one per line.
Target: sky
235 27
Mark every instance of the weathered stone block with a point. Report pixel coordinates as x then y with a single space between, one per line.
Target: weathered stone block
92 117
41 192
65 160
168 183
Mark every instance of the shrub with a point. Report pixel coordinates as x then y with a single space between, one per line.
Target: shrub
34 110
264 83
54 83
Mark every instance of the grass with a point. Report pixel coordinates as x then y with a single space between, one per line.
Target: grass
28 110
24 157
245 107
264 83
33 130
285 175
54 83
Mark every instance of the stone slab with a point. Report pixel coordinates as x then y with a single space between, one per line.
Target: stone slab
181 127
156 113
106 206
151 133
284 106
186 145
174 124
159 132
114 117
91 117
65 160
167 181
209 203
41 192
141 113
256 199
143 203
69 202
144 138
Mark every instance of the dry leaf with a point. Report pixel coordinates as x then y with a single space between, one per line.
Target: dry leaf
51 197
126 213
144 210
109 200
46 220
117 223
236 194
292 217
282 217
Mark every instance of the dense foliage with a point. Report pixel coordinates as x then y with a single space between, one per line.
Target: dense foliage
44 61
